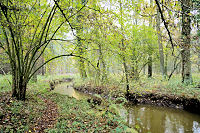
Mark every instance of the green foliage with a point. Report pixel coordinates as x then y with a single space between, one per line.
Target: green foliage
173 87
4 83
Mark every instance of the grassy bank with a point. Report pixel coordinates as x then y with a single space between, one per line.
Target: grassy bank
45 111
155 85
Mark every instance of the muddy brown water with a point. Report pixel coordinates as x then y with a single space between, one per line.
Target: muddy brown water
152 119
146 118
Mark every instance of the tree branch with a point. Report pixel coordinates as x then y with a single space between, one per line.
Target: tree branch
71 54
166 26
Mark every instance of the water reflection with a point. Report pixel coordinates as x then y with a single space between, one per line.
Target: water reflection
148 119
67 89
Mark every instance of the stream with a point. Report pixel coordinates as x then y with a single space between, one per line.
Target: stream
152 119
146 118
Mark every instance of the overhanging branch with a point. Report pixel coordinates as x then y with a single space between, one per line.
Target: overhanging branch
71 54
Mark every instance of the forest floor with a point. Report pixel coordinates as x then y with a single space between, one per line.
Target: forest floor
34 115
46 111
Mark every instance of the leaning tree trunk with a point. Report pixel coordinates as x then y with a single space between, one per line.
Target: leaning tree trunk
162 66
185 52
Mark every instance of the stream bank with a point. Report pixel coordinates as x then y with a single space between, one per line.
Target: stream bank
144 112
146 98
146 118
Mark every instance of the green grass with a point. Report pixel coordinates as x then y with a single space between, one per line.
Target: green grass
74 115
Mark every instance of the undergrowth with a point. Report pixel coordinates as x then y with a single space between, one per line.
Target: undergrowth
156 84
74 115
79 116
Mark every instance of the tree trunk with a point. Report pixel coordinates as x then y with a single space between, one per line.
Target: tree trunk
126 74
14 84
125 70
150 66
82 63
162 67
43 67
198 50
81 49
185 52
34 78
18 87
123 55
134 67
104 73
166 63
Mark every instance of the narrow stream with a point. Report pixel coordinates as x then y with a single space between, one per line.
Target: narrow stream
149 119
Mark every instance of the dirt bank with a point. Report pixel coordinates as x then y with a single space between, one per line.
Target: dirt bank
173 101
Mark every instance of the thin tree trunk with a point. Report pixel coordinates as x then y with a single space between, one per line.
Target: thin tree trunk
123 56
126 71
43 68
198 50
166 63
104 73
150 64
34 78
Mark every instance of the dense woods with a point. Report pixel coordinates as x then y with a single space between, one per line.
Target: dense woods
133 45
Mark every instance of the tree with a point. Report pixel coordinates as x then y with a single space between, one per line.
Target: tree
185 51
81 49
26 35
150 61
123 49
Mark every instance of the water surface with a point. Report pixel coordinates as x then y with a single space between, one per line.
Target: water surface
151 119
